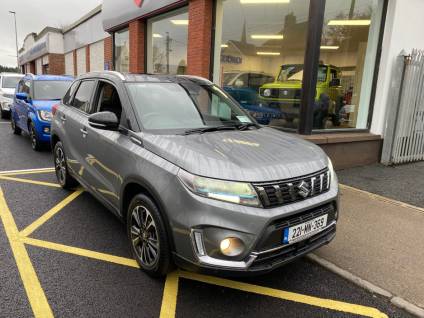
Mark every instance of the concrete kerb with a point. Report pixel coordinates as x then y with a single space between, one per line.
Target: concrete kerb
395 300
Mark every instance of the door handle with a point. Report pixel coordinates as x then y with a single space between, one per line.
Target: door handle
63 118
84 132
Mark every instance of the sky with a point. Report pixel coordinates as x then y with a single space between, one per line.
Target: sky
33 16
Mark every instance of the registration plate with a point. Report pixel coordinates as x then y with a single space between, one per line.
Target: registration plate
304 230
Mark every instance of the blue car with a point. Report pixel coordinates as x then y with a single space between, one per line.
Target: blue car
31 110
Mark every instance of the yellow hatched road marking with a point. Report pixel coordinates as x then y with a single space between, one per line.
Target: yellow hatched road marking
49 214
48 184
170 294
81 252
281 294
26 171
35 293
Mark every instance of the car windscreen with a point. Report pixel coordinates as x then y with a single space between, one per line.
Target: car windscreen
10 81
228 78
184 106
294 72
49 90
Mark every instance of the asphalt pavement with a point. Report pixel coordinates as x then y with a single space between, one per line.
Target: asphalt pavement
403 182
63 254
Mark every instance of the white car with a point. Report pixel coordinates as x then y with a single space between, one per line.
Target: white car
8 82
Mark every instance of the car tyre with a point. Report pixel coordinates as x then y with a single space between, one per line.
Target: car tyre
148 237
35 142
4 114
16 130
65 180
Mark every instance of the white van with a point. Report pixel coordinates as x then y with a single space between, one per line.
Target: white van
8 82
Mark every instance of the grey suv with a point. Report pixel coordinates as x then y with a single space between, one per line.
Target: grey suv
196 180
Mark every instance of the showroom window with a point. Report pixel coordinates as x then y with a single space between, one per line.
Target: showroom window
122 50
259 52
167 43
260 48
348 50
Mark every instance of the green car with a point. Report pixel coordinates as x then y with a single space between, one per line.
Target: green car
285 94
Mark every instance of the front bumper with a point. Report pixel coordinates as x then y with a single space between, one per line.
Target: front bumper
260 230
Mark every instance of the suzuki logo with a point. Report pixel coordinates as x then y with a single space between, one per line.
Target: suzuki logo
303 189
138 3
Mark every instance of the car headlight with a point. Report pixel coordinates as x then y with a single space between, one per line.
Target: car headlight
235 192
330 168
45 115
267 92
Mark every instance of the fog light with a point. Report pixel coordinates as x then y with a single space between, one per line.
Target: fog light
46 130
231 246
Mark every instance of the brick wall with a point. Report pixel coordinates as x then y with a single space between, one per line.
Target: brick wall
200 37
87 58
75 62
137 30
56 64
108 51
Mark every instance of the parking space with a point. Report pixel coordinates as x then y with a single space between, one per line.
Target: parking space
63 254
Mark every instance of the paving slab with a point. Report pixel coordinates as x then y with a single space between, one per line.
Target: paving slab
381 242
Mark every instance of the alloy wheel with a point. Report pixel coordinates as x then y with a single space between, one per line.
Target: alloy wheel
60 165
144 236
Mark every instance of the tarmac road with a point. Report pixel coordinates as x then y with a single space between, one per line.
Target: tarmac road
74 261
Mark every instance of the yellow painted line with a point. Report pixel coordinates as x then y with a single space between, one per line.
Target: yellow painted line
26 171
294 297
35 293
382 198
170 293
49 214
42 183
81 252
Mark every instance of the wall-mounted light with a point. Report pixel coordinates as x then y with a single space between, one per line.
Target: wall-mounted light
330 47
268 53
263 1
179 22
157 35
349 22
224 45
267 36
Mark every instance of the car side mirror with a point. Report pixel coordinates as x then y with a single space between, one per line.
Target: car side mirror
335 82
104 120
22 96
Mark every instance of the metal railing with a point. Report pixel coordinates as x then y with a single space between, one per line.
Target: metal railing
404 138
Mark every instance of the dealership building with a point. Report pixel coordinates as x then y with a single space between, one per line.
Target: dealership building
319 68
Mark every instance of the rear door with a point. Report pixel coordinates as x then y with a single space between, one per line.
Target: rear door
75 120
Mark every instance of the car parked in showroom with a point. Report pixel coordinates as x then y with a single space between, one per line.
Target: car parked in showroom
31 110
196 180
8 82
284 94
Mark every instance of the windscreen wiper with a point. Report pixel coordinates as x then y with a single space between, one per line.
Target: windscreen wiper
208 129
246 126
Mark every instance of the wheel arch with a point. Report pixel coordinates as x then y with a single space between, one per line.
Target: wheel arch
135 185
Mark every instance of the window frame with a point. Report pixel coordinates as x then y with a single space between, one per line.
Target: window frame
90 100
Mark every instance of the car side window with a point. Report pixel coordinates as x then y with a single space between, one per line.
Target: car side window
69 94
108 99
26 87
83 96
20 86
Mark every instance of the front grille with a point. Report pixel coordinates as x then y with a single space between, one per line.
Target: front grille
282 93
278 257
10 96
273 235
284 192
